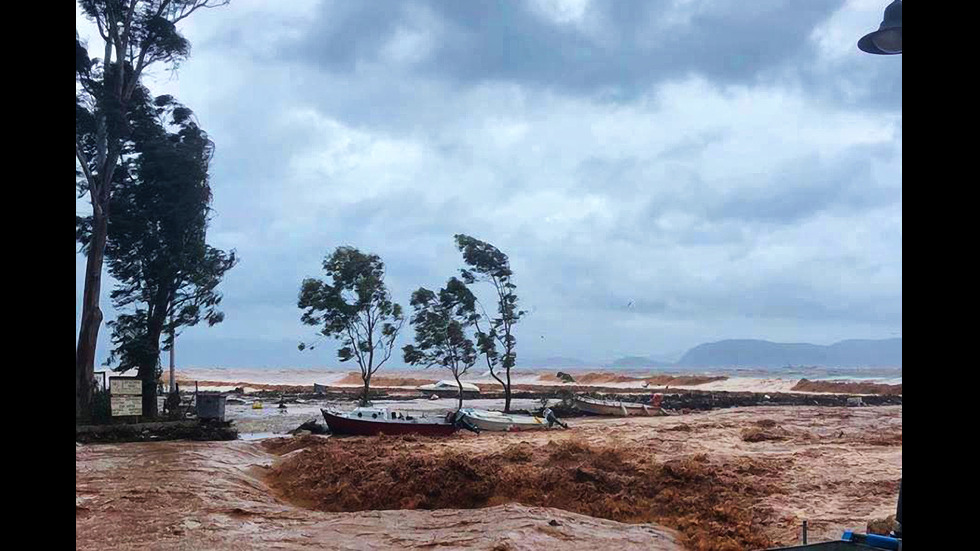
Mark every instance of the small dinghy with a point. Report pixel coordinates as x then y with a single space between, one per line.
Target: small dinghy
369 421
496 421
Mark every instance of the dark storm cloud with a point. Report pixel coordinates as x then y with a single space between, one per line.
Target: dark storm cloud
633 48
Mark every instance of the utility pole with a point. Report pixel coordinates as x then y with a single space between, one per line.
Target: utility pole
173 344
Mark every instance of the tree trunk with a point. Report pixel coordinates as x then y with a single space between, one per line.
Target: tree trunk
149 398
88 332
459 406
367 389
503 384
148 372
507 393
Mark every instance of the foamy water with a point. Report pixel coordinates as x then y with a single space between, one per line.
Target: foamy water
741 379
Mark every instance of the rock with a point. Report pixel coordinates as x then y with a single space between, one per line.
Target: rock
310 427
882 526
554 522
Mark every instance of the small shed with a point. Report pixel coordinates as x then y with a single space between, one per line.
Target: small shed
211 405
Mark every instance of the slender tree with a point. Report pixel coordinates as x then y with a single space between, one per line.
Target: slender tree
355 308
442 323
136 35
488 264
156 247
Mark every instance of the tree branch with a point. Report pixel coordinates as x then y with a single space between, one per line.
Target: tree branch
83 160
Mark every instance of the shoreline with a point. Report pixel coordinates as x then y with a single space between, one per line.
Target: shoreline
302 381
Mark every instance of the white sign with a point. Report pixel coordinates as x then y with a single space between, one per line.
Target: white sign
126 404
119 386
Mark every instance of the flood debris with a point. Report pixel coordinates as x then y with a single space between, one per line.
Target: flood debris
848 387
201 429
713 505
759 434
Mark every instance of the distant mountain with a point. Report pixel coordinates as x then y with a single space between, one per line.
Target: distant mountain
757 353
557 361
638 361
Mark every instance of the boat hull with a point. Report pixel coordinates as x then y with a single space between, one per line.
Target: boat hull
506 423
369 427
453 393
621 409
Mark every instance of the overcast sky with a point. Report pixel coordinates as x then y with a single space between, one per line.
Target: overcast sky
661 173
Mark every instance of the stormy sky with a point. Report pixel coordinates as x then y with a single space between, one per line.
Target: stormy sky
661 173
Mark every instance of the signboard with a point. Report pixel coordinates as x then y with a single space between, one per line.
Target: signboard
125 385
126 404
126 396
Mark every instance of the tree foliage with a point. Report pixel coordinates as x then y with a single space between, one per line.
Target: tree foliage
156 249
355 307
136 34
488 264
442 325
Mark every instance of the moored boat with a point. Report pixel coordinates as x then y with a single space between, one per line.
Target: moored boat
449 389
617 408
369 421
496 421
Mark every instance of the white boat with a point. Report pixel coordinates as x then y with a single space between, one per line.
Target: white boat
449 388
496 421
620 409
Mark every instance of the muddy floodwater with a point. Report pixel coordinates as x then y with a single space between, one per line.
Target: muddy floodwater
764 468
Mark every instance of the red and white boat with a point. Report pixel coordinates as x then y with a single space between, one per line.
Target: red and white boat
369 421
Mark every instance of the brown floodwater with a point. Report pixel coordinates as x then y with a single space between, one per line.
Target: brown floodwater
838 468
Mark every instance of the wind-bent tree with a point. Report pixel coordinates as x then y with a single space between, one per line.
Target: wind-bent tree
487 263
355 308
136 34
156 247
442 323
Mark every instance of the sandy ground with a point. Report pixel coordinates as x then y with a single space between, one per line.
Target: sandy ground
836 467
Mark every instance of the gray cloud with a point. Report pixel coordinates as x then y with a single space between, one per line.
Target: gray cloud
620 48
732 169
